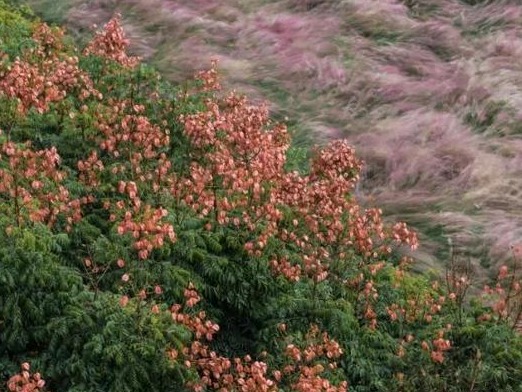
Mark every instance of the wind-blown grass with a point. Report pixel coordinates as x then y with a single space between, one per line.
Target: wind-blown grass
429 92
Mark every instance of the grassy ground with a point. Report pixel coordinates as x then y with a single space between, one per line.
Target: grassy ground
429 92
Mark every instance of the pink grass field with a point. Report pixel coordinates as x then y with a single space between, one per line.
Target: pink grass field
428 91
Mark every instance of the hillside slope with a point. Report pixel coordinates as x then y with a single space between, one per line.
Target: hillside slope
170 237
428 92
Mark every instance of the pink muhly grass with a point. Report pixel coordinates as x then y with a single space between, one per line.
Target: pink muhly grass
426 150
492 16
420 79
441 38
298 44
375 14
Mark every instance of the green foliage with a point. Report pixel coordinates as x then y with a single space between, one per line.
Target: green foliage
34 289
98 345
15 29
483 360
73 335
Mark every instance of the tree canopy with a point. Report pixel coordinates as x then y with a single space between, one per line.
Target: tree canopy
157 237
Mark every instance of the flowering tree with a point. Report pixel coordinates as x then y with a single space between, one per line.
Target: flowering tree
25 381
177 250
